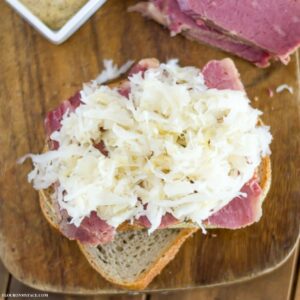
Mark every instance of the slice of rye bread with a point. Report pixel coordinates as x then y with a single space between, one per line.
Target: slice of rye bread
134 257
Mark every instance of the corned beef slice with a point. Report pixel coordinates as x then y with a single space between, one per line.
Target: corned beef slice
241 211
92 230
54 117
166 220
222 75
143 65
254 30
236 214
270 25
168 13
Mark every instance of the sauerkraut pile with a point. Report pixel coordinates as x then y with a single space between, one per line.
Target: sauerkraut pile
173 146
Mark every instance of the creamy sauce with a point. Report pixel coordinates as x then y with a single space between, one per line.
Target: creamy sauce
54 13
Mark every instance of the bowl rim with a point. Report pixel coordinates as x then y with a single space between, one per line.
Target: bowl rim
73 24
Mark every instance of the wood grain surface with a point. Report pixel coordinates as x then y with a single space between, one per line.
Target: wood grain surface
36 76
297 291
277 285
274 286
16 287
4 280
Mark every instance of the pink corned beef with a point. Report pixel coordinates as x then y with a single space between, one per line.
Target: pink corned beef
270 25
168 13
166 220
241 211
254 30
92 230
222 75
143 65
54 117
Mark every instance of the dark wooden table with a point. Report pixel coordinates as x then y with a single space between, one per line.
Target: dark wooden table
281 284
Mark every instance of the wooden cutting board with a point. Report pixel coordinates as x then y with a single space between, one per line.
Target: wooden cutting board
35 76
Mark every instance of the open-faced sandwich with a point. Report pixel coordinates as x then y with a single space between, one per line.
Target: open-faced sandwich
133 168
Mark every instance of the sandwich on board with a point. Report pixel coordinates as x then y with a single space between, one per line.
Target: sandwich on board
131 169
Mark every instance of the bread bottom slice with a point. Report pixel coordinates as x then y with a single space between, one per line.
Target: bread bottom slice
134 257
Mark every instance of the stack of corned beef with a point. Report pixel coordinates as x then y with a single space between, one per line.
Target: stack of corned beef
256 30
